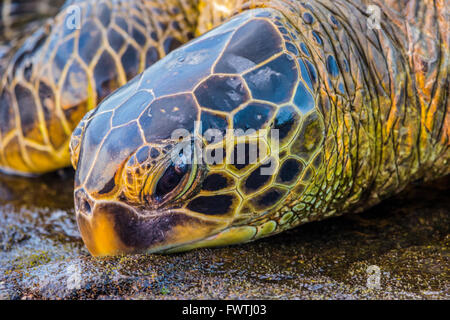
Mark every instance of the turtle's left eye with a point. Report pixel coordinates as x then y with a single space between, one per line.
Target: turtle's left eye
171 178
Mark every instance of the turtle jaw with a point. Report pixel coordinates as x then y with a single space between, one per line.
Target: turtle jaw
99 235
113 229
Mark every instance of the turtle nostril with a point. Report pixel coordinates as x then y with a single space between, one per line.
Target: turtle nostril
82 203
85 207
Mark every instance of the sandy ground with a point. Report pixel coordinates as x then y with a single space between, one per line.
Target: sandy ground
406 238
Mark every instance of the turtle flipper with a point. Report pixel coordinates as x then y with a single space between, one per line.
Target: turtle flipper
89 49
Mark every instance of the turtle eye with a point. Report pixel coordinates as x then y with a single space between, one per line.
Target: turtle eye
170 180
174 179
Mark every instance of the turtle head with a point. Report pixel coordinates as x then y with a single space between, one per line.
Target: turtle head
136 169
142 208
157 169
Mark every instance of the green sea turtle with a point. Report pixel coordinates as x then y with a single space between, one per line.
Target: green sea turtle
273 114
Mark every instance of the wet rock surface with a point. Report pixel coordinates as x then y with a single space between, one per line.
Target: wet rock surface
407 238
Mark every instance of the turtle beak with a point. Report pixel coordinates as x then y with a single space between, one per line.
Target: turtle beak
100 236
111 228
97 229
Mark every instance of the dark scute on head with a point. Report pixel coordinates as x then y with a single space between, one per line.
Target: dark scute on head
252 44
119 144
143 154
168 114
292 48
154 153
274 81
215 182
176 26
305 74
140 233
132 108
240 162
184 68
222 93
256 180
308 174
254 116
217 152
212 205
212 121
303 99
312 72
108 187
318 160
162 25
286 122
289 171
268 199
